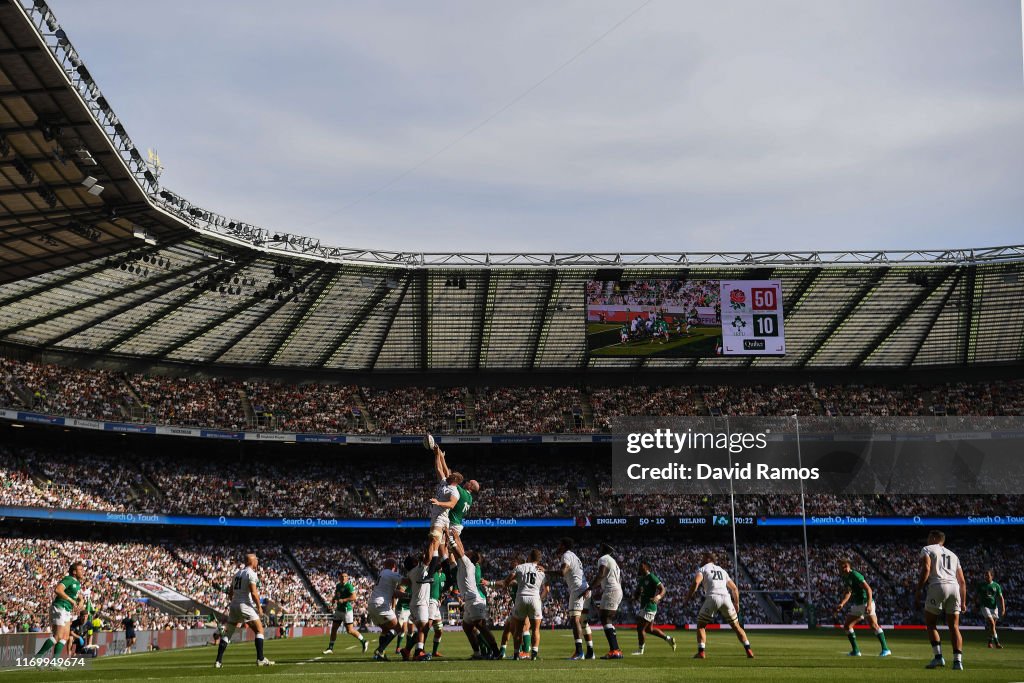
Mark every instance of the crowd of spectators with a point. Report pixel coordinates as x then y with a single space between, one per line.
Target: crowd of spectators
190 401
61 390
332 408
317 408
415 410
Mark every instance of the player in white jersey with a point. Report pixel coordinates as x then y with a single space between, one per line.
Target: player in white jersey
381 607
529 577
246 609
579 600
474 604
721 596
947 592
446 495
419 572
609 579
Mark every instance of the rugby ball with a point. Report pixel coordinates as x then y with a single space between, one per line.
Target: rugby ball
429 443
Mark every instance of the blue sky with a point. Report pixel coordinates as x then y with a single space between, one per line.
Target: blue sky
732 125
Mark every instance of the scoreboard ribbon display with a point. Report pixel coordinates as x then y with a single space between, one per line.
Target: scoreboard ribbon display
752 318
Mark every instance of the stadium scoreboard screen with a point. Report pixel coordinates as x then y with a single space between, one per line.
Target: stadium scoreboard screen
690 318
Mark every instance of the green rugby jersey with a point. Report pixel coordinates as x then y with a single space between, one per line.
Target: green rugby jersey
854 581
71 588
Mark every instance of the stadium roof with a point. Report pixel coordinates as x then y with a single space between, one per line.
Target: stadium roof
96 257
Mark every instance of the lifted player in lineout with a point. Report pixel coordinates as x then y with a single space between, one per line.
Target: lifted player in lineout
245 609
344 599
718 588
650 590
451 502
947 593
993 606
862 606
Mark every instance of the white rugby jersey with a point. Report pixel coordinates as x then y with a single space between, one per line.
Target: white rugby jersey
445 492
419 590
384 591
529 578
716 579
611 581
465 575
944 564
574 578
241 595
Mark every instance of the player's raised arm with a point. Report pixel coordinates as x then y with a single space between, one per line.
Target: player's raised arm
440 465
697 579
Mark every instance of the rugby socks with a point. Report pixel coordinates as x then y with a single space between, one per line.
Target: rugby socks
701 646
50 642
852 637
579 647
259 647
224 642
588 633
641 638
534 652
385 639
58 648
613 640
881 638
437 641
399 645
527 639
330 646
937 648
958 655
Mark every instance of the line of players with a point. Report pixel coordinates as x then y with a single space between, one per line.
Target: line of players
424 578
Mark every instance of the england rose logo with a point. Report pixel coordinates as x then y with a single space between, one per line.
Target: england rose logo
738 299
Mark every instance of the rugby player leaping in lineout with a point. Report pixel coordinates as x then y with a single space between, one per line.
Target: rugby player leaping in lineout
452 501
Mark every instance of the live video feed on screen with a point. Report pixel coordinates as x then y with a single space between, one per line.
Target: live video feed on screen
682 317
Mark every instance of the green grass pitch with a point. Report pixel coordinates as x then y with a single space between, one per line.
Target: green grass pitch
790 657
603 340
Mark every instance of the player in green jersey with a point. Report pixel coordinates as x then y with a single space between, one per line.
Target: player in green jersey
993 606
862 606
68 600
650 590
405 625
344 600
437 588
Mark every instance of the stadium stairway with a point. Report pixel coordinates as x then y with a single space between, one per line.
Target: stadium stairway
301 573
250 414
360 401
587 408
767 604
